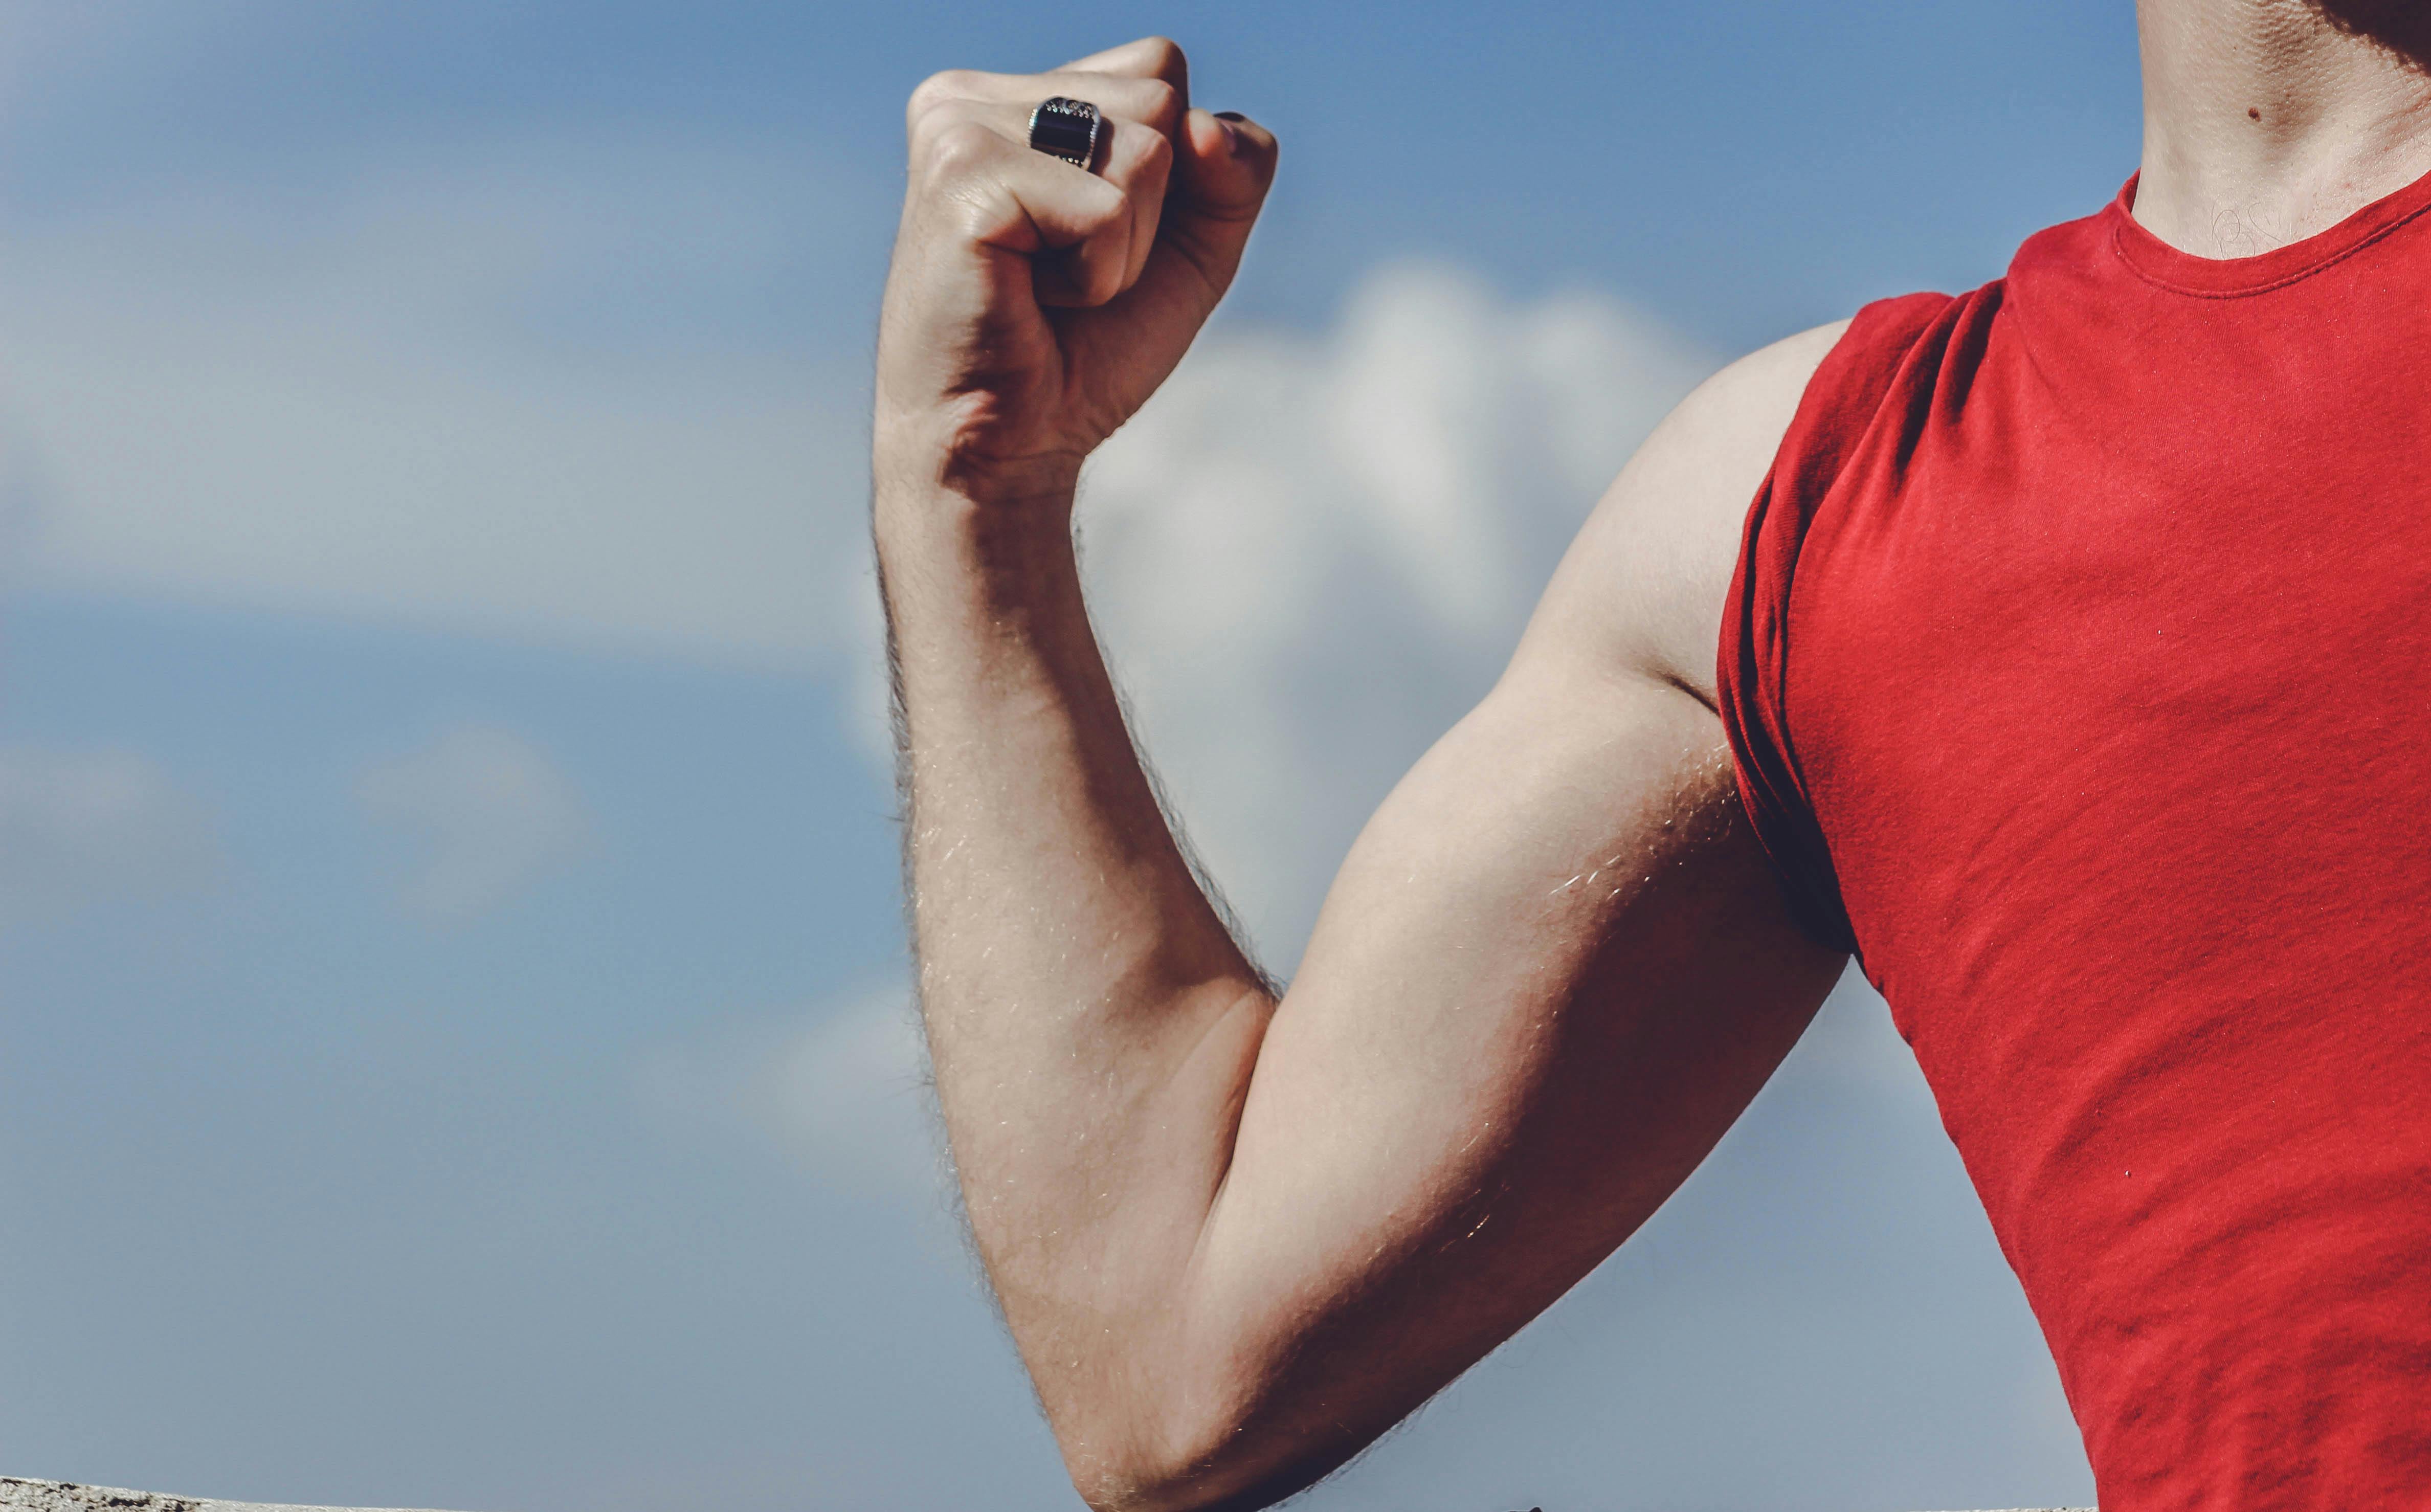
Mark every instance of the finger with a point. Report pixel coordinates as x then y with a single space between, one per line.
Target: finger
1150 101
1220 185
1135 158
1075 228
1138 159
1157 57
1220 177
1142 111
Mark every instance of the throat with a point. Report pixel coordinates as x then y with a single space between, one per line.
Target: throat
2267 121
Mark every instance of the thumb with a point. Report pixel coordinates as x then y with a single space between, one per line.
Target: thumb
1223 165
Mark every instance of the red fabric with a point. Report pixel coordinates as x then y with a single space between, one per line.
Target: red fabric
2078 667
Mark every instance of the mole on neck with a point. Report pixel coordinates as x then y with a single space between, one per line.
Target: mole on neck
2269 120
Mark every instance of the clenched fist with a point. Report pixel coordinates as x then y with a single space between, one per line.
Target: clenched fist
1032 306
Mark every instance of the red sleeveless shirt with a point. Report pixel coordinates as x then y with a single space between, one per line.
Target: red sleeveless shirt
2078 667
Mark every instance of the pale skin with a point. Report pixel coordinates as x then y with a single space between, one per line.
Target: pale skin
1237 1234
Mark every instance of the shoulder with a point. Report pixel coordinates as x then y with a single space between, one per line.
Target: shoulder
1641 589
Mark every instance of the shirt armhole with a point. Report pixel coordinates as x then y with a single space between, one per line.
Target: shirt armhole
1838 408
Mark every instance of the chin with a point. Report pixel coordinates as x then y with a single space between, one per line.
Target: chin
2403 26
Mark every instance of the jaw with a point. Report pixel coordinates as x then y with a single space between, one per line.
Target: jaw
2402 27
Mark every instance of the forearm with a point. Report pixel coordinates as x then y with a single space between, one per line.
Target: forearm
1092 1022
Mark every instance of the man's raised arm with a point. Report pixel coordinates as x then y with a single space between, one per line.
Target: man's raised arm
1238 1237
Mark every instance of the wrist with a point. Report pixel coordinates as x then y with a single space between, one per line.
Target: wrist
1002 545
929 454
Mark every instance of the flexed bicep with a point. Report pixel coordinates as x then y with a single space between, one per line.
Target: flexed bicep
1553 972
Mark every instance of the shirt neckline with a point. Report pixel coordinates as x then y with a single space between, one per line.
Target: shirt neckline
2182 272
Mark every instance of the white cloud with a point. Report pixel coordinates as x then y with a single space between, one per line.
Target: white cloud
423 398
492 814
436 396
844 1095
85 826
1308 554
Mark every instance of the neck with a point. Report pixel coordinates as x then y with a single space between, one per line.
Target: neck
2267 121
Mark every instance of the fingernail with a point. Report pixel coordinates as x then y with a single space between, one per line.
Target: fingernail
1230 115
1231 136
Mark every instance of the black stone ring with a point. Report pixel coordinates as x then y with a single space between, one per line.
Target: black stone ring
1069 130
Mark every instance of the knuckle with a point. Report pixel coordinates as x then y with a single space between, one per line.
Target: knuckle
926 127
959 147
939 89
1161 55
1160 104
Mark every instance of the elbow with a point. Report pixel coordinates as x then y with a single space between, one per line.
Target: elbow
1175 1486
1181 1456
1134 1460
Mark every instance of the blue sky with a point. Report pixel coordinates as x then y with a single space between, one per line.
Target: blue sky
452 1047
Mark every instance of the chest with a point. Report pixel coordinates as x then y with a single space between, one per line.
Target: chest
2127 674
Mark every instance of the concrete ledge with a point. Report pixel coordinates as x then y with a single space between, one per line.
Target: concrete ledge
60 1496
